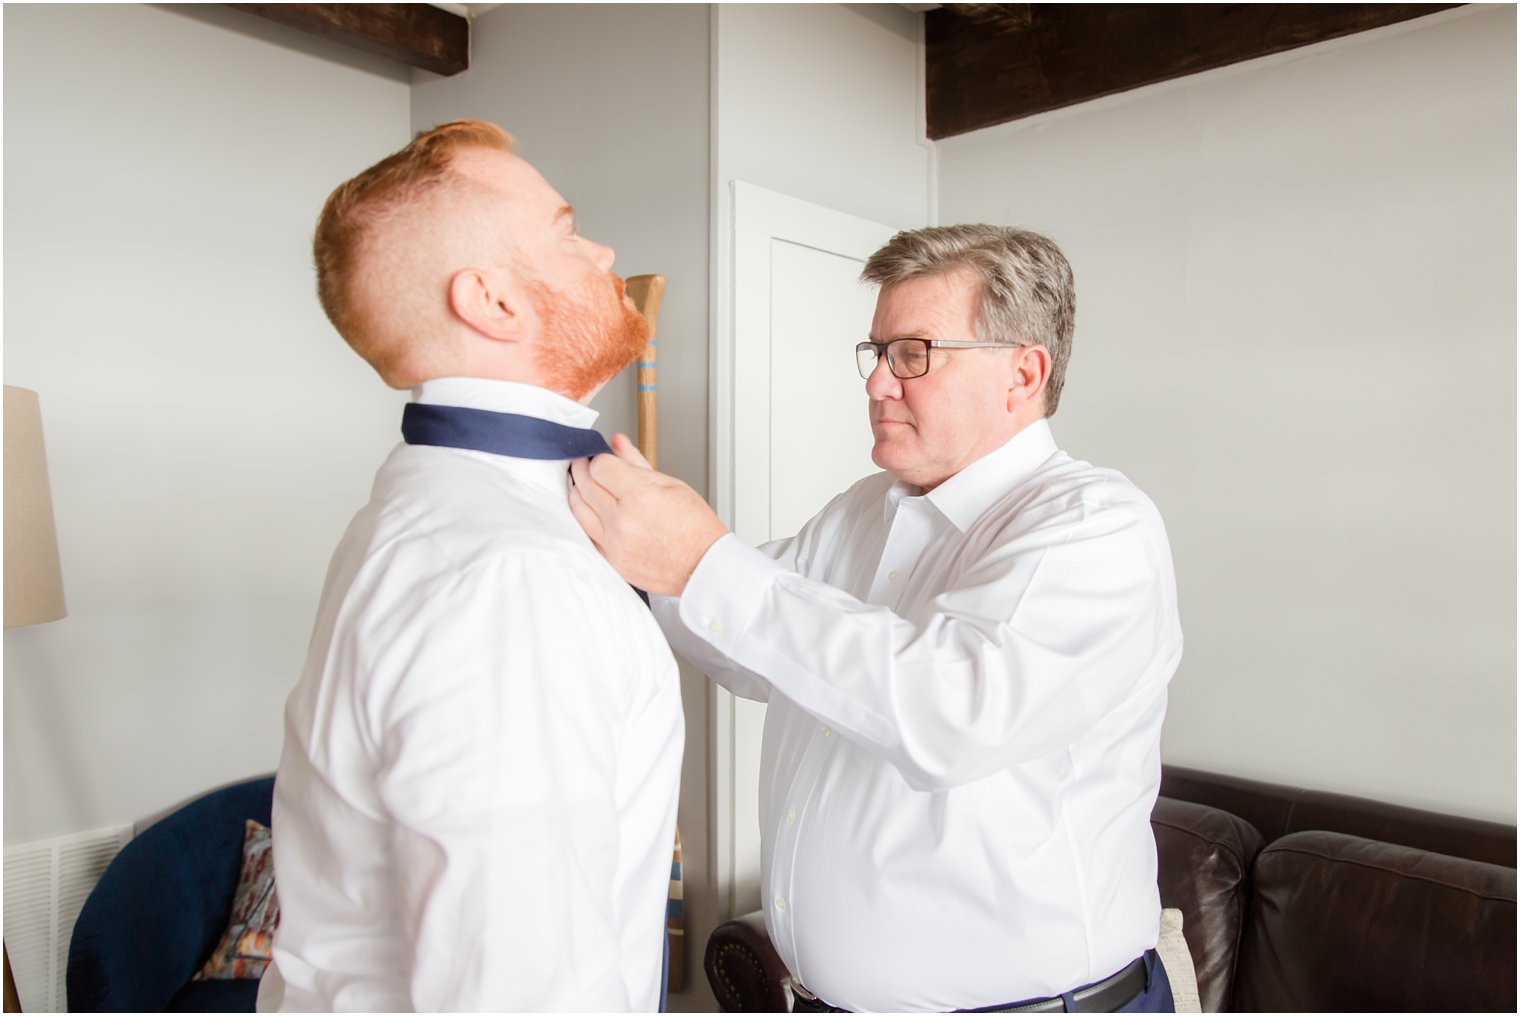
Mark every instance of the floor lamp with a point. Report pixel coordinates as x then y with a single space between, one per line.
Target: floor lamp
33 579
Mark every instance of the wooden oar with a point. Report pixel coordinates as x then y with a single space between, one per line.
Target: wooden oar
646 292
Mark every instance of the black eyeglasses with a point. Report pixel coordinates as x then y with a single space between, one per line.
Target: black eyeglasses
909 358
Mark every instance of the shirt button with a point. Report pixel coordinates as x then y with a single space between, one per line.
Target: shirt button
826 731
791 816
891 576
715 626
780 903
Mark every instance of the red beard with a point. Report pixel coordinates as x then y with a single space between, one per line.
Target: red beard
589 336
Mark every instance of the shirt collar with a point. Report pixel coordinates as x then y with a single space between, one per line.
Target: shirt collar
511 397
504 397
965 496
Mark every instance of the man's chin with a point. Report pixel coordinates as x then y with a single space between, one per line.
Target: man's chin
593 392
897 459
590 340
626 343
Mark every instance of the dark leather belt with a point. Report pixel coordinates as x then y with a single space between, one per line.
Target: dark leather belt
1107 995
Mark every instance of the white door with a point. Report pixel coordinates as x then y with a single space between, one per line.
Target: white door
820 437
790 432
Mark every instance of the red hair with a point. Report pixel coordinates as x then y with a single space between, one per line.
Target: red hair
352 211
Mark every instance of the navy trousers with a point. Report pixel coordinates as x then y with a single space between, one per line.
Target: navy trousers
665 968
1157 996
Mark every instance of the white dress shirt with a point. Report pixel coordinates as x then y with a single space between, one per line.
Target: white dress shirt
962 745
477 797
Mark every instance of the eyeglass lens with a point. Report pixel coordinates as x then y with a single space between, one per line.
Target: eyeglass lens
906 358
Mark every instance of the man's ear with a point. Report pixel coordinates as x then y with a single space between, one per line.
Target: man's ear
491 302
1031 371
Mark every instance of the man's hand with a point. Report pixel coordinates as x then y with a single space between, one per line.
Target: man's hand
651 527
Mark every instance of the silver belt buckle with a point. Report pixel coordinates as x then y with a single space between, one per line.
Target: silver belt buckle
800 991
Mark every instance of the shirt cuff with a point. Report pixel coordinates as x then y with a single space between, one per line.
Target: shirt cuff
725 591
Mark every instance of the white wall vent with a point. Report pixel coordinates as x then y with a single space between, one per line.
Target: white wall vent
46 884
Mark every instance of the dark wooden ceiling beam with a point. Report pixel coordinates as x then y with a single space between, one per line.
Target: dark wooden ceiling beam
990 63
418 35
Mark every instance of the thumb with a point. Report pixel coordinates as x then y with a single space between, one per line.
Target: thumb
629 452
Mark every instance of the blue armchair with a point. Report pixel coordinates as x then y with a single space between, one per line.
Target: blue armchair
160 909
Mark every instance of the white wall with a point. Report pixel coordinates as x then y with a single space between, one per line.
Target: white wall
610 103
208 434
1296 331
823 102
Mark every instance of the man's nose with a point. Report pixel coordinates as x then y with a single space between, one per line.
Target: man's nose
883 384
602 255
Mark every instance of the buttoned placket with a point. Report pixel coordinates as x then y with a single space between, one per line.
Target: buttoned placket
821 745
910 530
911 527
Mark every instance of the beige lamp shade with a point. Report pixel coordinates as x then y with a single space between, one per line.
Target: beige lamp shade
33 580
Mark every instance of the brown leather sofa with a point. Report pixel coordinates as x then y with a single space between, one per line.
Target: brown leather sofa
1292 900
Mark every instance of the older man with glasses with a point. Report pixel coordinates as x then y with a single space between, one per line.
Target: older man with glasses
965 658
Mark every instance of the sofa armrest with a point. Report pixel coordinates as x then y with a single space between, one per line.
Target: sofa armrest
1204 859
745 973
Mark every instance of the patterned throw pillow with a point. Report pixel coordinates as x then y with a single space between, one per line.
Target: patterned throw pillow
244 949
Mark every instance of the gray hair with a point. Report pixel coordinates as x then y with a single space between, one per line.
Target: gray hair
1027 297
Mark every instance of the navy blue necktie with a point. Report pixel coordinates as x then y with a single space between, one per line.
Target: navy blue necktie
522 437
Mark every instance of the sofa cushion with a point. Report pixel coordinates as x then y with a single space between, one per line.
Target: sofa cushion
1204 856
1342 923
